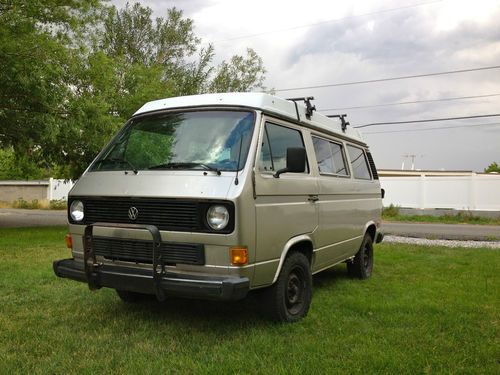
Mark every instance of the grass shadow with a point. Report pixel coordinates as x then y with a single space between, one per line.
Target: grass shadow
247 312
191 312
327 278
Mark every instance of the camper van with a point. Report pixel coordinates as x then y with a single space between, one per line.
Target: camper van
218 195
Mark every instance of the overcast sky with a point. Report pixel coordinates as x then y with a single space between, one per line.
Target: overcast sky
314 42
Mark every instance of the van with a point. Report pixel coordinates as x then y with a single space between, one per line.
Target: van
213 196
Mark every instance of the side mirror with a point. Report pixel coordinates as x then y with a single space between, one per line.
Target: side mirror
382 193
295 161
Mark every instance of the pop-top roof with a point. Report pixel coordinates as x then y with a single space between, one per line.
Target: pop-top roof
265 102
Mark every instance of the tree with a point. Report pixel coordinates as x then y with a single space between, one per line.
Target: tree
492 168
36 55
74 71
240 74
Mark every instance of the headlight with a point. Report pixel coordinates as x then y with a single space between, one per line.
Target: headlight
76 210
217 217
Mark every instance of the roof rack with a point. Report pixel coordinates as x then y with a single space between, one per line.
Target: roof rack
342 119
309 107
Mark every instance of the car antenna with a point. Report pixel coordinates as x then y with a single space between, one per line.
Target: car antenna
309 107
342 119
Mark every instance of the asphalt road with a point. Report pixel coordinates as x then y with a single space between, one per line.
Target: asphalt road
33 218
11 218
443 231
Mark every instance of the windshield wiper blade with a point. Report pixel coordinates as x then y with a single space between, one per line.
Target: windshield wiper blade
119 160
185 165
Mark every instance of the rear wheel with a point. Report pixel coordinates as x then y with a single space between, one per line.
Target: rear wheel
289 298
133 297
362 264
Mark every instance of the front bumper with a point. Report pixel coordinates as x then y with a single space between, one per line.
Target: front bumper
141 281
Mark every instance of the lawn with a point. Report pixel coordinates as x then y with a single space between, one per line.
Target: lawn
425 310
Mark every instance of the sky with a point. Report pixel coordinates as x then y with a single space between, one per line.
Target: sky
316 43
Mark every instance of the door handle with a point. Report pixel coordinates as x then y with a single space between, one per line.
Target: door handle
313 198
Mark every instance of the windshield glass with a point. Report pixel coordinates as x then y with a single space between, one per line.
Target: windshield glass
203 140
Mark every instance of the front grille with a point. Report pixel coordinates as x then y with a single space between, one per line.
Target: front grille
183 215
140 251
165 214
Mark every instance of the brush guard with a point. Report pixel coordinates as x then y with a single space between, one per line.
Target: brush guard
92 266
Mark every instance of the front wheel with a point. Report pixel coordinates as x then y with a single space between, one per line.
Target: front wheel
289 298
362 264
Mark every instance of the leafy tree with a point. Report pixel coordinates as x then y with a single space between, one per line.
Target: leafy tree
36 56
74 71
493 167
239 74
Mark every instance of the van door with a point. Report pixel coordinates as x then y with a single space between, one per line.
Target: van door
338 223
285 206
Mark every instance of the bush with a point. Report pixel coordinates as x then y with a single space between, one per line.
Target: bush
391 211
21 203
57 204
43 204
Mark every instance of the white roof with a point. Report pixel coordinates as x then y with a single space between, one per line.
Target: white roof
265 102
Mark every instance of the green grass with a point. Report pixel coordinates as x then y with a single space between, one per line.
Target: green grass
392 213
425 310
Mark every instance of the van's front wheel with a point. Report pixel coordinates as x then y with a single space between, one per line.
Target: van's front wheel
289 298
362 264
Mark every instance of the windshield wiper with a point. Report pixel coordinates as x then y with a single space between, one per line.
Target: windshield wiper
118 160
186 165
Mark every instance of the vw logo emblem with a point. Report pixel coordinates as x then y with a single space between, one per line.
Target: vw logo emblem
133 213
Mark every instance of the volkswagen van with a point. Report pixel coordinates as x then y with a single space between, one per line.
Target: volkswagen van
214 196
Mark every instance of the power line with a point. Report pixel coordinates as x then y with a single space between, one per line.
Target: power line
412 102
391 78
427 120
328 21
427 129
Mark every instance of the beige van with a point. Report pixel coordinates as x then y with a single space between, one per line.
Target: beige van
213 196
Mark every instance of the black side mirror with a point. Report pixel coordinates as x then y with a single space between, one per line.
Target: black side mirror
295 161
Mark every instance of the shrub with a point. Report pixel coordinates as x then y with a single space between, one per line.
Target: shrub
21 203
58 204
391 211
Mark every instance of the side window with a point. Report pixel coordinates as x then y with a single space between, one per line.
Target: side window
276 141
323 155
359 164
330 157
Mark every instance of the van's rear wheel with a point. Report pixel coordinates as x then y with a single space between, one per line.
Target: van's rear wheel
133 297
289 298
362 264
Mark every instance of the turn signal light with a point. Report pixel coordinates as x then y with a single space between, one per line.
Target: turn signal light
69 241
239 255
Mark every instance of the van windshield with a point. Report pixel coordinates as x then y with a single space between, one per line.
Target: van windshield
201 140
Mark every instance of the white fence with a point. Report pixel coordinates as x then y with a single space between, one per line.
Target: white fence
59 189
51 189
476 192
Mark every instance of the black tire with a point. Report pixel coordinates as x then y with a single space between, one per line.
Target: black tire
289 298
362 264
133 297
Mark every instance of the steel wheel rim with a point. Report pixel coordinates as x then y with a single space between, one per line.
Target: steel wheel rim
295 290
367 258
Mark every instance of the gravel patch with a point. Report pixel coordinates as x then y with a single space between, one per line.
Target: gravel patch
446 243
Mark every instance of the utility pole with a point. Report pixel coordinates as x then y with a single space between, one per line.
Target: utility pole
412 156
